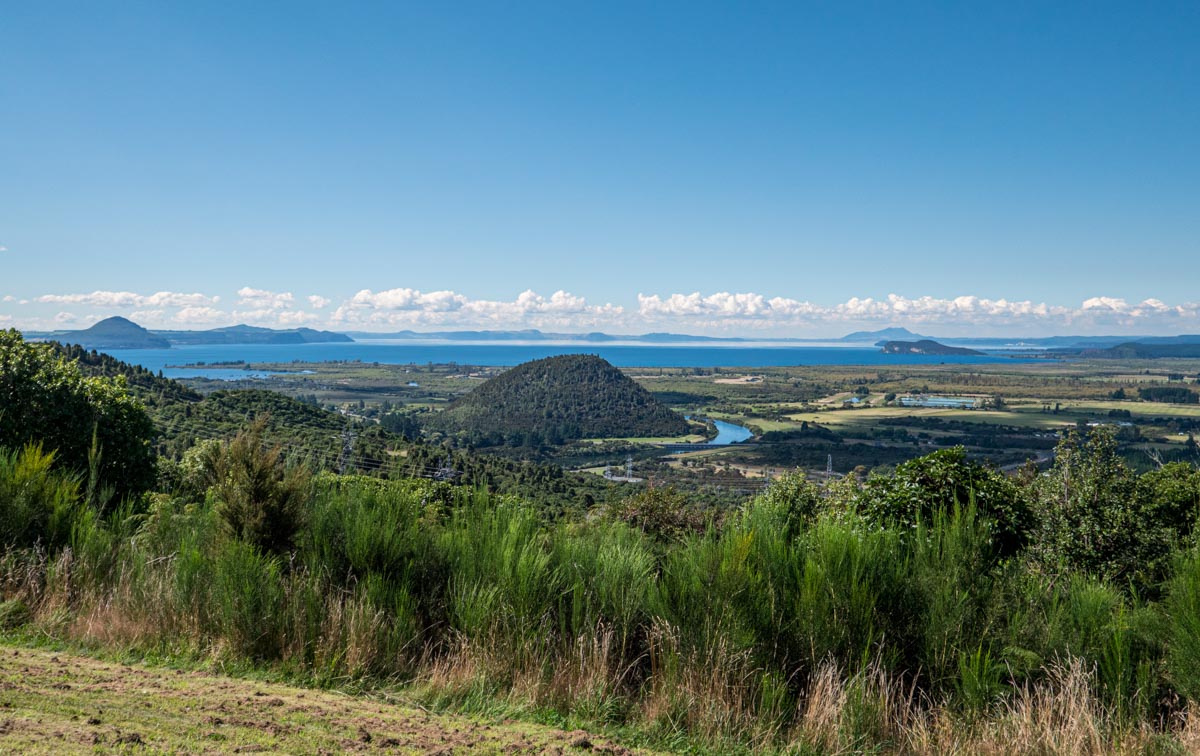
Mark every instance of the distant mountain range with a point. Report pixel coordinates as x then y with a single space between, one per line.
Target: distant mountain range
121 333
536 335
111 333
885 334
1148 350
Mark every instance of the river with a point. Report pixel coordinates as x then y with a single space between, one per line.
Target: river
728 433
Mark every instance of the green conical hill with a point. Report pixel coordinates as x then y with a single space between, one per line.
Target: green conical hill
561 398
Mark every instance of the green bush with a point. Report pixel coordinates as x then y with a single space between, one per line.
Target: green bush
46 399
1183 618
1171 497
1094 520
259 498
38 503
662 513
941 481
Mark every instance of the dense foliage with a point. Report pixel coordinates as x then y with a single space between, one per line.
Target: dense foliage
942 481
94 426
557 399
947 579
1172 394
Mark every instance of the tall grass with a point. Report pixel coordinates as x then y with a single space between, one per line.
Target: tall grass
806 628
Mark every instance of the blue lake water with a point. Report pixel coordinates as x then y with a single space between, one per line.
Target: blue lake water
506 354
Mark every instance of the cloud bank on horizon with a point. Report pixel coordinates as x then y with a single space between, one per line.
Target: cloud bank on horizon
719 313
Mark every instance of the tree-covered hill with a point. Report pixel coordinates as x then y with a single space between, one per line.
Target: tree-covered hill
183 418
150 387
557 399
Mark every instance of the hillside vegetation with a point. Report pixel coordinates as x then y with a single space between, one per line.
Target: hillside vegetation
941 607
176 419
557 399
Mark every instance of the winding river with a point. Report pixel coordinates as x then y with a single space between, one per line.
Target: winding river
727 433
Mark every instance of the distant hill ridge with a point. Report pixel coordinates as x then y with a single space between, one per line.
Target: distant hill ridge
882 335
561 398
121 333
1179 347
246 334
113 333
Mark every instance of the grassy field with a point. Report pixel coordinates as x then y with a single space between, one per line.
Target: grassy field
54 703
870 416
1040 397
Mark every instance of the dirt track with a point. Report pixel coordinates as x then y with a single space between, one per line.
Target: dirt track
59 703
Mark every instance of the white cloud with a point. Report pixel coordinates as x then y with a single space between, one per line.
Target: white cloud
406 299
411 307
130 299
65 317
200 315
3 248
295 318
263 299
696 312
747 310
9 298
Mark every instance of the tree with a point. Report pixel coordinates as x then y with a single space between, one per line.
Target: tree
46 399
1093 518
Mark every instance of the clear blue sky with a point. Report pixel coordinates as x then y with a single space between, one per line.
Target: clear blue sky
817 153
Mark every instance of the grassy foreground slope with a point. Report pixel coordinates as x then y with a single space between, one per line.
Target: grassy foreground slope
63 703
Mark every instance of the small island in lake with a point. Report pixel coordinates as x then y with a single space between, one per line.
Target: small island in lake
924 346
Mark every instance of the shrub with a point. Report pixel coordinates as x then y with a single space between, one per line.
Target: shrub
248 594
662 513
941 481
1171 497
788 504
38 504
259 499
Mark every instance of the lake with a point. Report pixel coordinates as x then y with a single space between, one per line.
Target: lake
404 352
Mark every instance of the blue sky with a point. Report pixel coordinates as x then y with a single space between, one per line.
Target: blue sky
774 168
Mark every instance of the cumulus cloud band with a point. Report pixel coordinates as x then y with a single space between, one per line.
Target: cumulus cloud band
718 312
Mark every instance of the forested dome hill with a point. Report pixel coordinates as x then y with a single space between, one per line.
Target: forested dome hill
561 398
